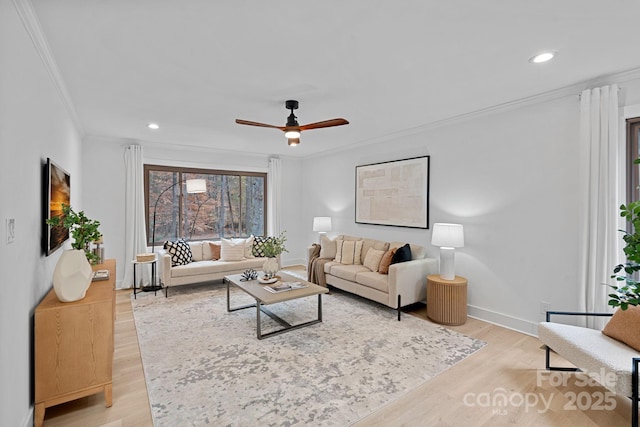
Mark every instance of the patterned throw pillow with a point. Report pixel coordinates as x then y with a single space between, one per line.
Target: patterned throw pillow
180 252
258 245
348 251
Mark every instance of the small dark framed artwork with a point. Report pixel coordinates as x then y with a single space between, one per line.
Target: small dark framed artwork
394 193
58 192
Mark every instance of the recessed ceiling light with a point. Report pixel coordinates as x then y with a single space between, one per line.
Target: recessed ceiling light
153 126
542 57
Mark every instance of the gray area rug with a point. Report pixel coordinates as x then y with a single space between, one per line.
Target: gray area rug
204 366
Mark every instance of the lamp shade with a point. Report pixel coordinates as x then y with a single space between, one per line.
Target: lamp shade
322 224
196 186
447 235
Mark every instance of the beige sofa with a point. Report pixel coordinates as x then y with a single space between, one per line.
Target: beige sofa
202 268
404 284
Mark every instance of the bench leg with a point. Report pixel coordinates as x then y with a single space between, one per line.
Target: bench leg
634 391
555 368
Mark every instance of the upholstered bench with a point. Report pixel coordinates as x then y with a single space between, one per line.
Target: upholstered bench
592 351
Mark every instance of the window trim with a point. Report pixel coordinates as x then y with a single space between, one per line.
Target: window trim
633 170
184 170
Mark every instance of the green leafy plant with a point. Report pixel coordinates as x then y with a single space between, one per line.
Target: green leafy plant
627 292
82 229
274 246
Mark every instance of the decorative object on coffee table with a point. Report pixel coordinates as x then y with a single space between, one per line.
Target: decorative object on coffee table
249 274
273 247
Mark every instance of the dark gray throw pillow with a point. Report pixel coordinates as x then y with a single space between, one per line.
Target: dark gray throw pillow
402 254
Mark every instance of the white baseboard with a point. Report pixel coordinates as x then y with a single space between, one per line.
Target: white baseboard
28 420
519 325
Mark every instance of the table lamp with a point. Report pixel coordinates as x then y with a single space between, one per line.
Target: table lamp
321 224
447 237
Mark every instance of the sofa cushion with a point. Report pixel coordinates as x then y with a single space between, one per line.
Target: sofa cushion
385 262
329 265
348 251
213 251
373 280
348 272
209 267
403 254
231 250
372 259
624 326
179 251
196 251
327 247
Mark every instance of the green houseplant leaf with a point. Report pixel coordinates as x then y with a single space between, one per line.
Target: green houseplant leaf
82 229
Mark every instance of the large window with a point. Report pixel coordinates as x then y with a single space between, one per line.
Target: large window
233 205
633 153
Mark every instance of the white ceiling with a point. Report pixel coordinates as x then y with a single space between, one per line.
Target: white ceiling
194 66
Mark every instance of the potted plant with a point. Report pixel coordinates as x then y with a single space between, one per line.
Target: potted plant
628 292
82 229
273 247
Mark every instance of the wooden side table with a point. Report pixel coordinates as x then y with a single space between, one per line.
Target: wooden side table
447 300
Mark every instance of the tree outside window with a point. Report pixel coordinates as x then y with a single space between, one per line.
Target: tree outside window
234 204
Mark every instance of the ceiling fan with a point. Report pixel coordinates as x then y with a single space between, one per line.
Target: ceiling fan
292 129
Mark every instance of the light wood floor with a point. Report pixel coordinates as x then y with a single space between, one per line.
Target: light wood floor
508 366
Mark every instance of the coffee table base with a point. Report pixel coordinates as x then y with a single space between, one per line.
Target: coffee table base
286 326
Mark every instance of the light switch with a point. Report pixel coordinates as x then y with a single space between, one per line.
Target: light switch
11 230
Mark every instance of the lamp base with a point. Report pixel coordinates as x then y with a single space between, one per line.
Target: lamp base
447 263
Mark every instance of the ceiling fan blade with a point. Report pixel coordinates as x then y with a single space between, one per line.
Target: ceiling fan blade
264 125
325 124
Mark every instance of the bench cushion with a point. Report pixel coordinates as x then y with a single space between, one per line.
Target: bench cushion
591 351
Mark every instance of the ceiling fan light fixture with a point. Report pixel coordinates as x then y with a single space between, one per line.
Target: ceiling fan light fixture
292 134
293 141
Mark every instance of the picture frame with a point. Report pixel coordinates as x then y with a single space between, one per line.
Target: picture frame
393 193
57 192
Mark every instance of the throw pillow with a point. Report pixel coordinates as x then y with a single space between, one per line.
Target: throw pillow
383 268
179 251
372 259
215 250
348 251
327 247
231 251
624 326
248 245
402 254
258 245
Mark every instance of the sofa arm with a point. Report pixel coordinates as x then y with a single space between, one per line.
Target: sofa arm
164 262
409 280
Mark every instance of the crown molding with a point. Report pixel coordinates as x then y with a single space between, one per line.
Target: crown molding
573 90
34 29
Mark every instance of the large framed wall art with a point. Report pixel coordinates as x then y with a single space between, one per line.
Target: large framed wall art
394 193
57 193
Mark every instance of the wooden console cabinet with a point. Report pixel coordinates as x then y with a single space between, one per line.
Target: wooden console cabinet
74 345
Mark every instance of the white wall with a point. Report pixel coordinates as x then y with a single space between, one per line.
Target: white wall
34 125
103 197
510 178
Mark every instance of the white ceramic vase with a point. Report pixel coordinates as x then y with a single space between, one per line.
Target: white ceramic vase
72 275
270 267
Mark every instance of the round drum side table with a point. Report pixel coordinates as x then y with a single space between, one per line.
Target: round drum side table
447 300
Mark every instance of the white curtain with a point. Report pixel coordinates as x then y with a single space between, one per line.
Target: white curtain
599 160
135 228
274 208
